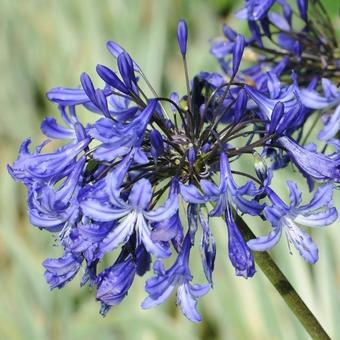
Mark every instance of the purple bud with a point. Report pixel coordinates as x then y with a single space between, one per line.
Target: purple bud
287 12
115 49
101 103
238 52
88 87
126 70
206 148
191 155
229 33
111 78
182 36
157 146
303 8
174 97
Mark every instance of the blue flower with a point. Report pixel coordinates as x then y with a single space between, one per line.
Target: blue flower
49 166
227 195
119 139
53 209
178 277
318 213
132 215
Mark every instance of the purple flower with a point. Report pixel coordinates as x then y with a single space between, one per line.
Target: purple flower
303 9
132 215
225 194
178 277
318 213
119 139
47 166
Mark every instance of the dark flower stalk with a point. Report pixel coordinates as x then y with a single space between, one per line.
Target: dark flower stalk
118 185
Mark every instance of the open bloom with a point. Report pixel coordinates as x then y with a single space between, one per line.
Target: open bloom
132 215
318 213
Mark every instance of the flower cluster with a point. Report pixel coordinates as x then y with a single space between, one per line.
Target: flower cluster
140 182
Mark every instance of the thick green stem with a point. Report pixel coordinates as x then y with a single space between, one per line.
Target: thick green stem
285 289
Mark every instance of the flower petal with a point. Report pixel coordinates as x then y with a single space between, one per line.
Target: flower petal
264 243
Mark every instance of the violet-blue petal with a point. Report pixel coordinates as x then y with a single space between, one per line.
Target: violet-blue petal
141 194
303 243
126 70
62 270
120 234
144 232
321 198
191 194
240 255
295 195
264 243
115 49
303 9
275 117
332 126
52 129
102 213
67 96
167 210
188 303
321 219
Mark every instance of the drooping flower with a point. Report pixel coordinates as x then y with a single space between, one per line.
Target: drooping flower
178 277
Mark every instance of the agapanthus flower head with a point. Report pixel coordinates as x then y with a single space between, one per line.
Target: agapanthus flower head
144 179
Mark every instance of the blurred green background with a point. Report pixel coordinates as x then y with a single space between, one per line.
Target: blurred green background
49 43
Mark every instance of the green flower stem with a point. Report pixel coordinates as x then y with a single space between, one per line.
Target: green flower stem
285 289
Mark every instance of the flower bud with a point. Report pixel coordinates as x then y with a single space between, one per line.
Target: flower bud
182 36
157 146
